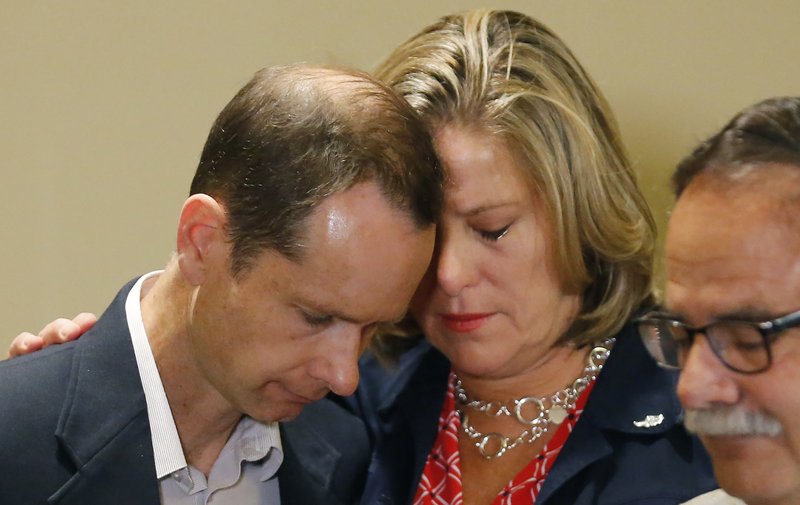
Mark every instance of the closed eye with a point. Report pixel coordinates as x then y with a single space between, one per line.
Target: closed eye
316 319
494 235
744 346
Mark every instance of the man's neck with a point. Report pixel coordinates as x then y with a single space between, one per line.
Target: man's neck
203 418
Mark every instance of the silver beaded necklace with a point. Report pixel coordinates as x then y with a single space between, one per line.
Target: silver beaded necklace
551 410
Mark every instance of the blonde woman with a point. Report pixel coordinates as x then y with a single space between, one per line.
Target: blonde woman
544 252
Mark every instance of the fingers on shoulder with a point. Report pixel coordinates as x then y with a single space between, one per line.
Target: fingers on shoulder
25 343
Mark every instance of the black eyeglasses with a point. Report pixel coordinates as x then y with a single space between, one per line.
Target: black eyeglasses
742 346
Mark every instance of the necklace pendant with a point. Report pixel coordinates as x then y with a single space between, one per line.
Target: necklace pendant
493 445
556 414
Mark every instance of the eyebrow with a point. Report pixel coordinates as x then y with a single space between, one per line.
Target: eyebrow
486 208
748 314
663 312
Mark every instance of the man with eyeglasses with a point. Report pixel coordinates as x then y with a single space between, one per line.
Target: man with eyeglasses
731 321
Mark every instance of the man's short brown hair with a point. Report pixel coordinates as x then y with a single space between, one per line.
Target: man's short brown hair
295 135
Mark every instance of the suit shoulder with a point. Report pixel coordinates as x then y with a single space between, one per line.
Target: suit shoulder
50 362
33 385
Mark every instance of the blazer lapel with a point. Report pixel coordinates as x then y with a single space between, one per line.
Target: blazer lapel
408 418
123 473
421 404
103 427
585 445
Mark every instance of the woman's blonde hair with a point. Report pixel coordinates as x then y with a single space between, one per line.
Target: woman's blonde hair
509 75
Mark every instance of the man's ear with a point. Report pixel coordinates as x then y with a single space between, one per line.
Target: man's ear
201 237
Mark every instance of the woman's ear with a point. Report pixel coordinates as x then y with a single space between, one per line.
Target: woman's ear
201 237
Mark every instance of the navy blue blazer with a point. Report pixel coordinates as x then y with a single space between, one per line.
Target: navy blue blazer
74 430
607 460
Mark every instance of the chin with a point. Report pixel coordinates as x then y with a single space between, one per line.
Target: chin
475 364
748 468
752 492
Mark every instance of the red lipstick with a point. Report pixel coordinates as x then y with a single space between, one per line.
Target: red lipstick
463 323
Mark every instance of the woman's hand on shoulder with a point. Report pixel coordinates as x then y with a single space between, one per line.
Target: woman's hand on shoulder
56 332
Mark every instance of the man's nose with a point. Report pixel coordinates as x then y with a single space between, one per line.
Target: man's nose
704 379
337 364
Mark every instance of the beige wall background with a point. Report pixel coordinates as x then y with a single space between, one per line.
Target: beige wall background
105 107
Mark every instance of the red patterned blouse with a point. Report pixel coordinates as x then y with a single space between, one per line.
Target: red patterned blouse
441 480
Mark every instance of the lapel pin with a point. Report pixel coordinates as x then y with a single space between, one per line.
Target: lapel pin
649 421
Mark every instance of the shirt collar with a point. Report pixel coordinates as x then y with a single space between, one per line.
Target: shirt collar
166 443
252 440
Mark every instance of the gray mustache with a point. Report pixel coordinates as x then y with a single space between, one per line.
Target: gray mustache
731 421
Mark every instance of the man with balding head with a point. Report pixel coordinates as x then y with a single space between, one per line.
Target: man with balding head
731 319
310 222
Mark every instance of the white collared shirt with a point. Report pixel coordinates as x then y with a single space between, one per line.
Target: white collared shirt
245 471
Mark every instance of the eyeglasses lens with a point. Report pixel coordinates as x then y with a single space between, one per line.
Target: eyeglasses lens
739 345
664 341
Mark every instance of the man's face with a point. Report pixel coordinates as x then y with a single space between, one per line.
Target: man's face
287 332
728 256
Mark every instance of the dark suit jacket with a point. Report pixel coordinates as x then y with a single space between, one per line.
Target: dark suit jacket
607 460
74 430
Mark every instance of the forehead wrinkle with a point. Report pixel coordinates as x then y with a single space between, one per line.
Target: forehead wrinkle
725 274
747 312
741 222
736 265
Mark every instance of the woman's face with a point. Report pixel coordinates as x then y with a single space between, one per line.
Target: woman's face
492 300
